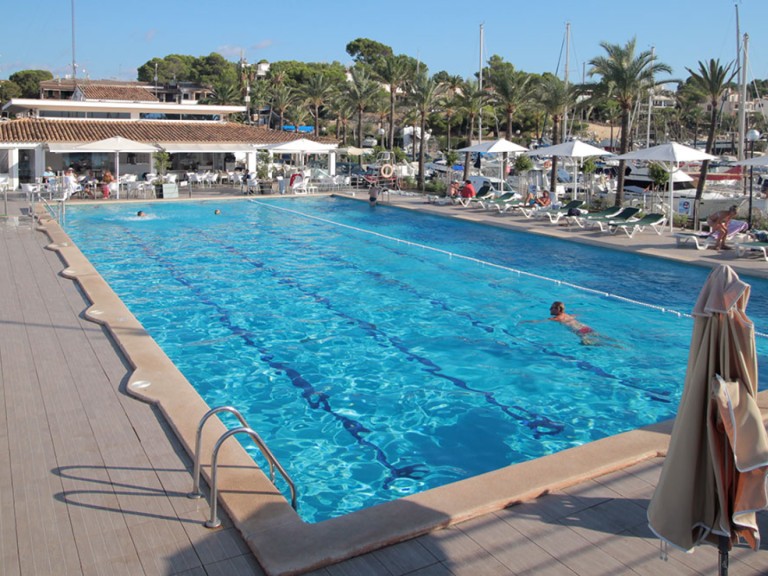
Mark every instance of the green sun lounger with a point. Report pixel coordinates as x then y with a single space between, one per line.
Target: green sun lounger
655 221
605 222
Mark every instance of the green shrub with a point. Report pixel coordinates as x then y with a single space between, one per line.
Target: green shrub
435 186
523 163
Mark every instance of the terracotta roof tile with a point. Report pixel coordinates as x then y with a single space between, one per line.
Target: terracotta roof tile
43 130
126 93
70 83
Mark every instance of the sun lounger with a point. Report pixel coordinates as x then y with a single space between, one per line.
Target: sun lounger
478 200
605 222
703 240
581 221
755 247
655 221
493 203
555 214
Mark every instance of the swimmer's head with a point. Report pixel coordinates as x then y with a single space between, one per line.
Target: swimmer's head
140 213
557 308
217 211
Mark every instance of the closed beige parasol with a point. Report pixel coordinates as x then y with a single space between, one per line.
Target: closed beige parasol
713 478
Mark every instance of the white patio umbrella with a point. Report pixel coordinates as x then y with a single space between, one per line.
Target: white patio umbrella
302 146
669 155
571 149
714 475
500 146
118 144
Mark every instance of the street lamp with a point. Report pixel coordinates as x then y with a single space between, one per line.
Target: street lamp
752 137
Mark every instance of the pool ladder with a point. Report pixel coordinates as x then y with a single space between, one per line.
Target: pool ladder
213 521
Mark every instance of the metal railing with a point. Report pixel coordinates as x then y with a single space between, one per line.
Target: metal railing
213 521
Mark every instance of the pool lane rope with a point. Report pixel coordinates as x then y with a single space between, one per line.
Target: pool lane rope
486 263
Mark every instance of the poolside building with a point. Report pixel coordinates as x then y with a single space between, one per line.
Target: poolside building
51 132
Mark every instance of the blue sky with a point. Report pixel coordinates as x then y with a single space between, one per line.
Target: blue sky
112 42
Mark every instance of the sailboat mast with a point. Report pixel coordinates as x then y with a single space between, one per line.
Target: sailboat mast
738 47
74 62
480 86
743 98
567 65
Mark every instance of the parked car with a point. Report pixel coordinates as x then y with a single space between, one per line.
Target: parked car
369 142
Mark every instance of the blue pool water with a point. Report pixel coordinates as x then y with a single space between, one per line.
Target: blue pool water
381 352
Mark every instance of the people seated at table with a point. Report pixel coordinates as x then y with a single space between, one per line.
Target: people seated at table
106 180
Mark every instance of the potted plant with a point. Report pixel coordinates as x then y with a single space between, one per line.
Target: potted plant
162 161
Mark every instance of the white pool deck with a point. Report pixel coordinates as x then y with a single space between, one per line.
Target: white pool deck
94 480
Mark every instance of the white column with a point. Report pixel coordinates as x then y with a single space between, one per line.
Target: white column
13 168
39 166
250 161
332 163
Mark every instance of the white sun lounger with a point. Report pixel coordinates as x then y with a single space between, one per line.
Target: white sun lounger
745 248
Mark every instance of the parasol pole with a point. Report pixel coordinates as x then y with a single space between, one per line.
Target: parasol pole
672 167
722 547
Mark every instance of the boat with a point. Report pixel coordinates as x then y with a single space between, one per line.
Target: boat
717 172
637 177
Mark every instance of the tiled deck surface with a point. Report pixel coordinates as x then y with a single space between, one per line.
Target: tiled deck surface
93 481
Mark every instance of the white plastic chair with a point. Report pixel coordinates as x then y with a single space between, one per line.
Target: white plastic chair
211 178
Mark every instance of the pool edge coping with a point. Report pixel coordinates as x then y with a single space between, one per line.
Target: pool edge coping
280 540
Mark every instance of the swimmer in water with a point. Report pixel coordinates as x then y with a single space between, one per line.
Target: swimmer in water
140 214
588 335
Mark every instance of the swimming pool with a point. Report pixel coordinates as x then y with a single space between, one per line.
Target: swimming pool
376 367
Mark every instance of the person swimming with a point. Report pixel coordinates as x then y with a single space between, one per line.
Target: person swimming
587 335
140 213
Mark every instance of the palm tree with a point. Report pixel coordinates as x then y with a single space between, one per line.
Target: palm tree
341 107
554 98
393 71
709 82
361 92
471 102
624 78
282 98
424 91
224 93
449 103
316 92
511 89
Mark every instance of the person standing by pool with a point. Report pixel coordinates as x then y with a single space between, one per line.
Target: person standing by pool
718 223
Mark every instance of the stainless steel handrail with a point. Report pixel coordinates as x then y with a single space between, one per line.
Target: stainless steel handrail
196 493
260 444
213 521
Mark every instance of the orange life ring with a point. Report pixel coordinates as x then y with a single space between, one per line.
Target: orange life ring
386 171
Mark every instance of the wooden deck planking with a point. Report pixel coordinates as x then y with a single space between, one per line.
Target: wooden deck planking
596 528
80 494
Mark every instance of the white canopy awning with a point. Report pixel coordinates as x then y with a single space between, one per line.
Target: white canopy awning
175 147
62 147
